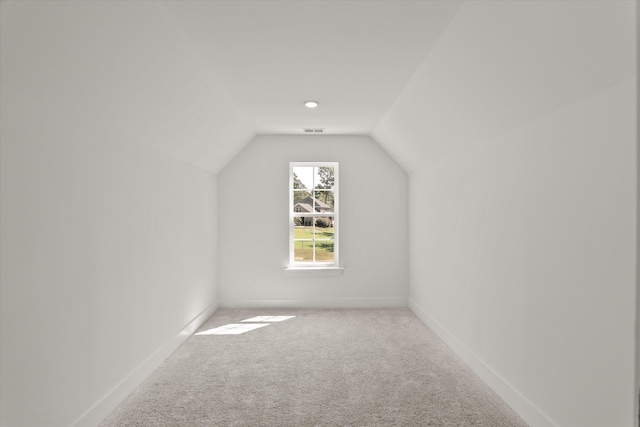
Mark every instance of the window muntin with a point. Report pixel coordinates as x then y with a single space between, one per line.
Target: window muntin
313 214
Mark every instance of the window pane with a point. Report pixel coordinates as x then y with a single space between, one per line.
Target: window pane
324 251
302 228
324 237
324 228
324 178
303 177
324 200
302 201
302 251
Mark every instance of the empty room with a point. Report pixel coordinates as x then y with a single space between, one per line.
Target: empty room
319 213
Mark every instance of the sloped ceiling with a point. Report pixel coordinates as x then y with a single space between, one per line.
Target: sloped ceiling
127 69
199 79
354 57
500 65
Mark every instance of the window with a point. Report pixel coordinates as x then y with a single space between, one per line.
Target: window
313 214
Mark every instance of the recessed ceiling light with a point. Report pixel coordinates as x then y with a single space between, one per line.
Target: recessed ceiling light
311 104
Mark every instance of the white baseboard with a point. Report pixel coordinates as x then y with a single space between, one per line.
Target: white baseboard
312 302
530 413
101 409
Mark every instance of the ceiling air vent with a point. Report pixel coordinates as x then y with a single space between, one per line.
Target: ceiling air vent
308 130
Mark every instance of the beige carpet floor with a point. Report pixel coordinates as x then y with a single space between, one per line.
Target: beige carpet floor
348 367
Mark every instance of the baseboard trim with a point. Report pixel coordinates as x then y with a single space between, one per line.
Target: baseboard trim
530 413
312 302
101 409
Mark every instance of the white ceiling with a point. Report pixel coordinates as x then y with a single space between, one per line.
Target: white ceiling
198 79
354 57
501 65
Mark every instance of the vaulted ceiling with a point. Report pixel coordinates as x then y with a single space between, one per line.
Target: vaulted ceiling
353 57
427 79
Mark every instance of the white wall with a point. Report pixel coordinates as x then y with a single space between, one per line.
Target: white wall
108 248
524 253
253 225
519 132
108 243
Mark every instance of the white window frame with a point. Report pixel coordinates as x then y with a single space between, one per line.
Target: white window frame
335 215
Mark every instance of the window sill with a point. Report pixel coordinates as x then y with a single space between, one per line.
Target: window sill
313 271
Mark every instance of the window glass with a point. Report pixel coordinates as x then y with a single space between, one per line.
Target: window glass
313 213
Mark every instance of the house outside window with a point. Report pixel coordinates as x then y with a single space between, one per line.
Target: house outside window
313 214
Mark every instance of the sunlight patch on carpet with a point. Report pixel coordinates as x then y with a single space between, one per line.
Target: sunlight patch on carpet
268 318
233 329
